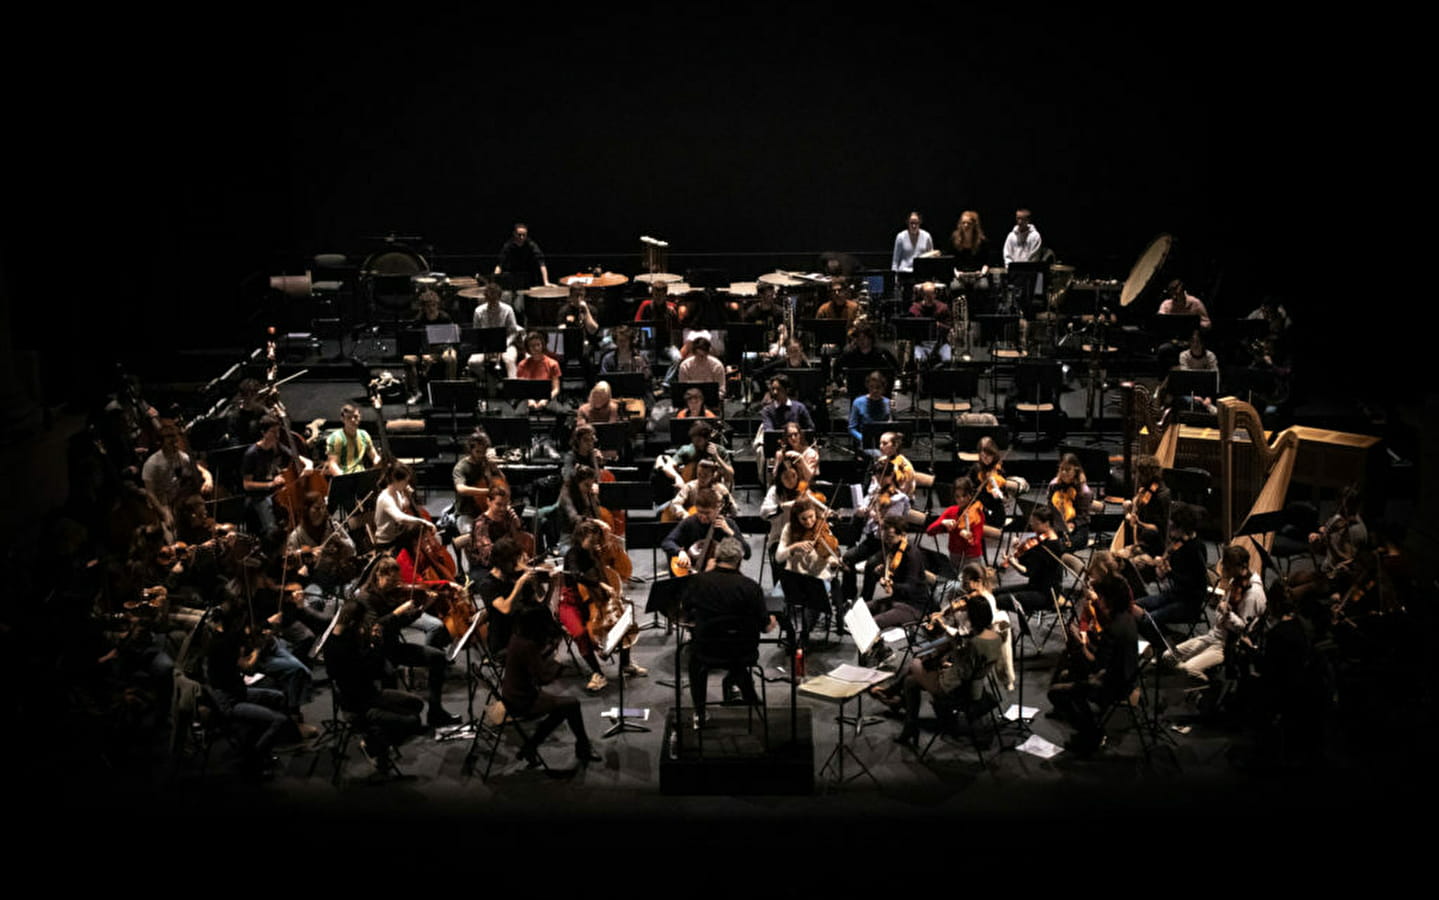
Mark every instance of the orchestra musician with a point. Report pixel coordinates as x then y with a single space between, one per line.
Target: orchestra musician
707 478
884 501
687 540
1070 495
587 586
327 550
498 522
472 477
261 470
1183 566
624 357
959 675
800 450
600 408
910 243
355 661
839 305
694 407
510 590
810 556
171 475
417 366
963 522
661 314
1023 243
991 486
395 519
1039 559
703 445
232 654
494 313
927 305
864 355
701 365
1146 514
1241 603
522 262
872 407
529 666
1111 654
538 365
898 567
890 443
1179 302
971 250
349 448
579 498
391 606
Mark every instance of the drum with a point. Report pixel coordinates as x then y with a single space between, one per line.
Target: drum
386 277
1144 271
542 304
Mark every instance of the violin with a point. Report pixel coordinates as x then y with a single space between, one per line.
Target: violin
1062 499
1024 547
891 563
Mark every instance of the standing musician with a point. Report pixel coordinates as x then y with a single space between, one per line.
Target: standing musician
1038 558
1023 242
991 485
591 589
963 522
391 605
872 407
494 313
1183 565
417 366
349 448
1111 653
912 242
1071 497
1241 603
523 262
971 250
884 501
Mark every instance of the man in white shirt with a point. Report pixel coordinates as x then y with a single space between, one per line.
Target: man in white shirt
495 314
1023 242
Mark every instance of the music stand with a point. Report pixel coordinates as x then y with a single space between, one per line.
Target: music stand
1193 383
462 392
1178 328
746 338
1027 280
627 384
826 331
872 431
507 432
808 386
648 534
517 389
939 269
919 329
348 491
612 435
1185 484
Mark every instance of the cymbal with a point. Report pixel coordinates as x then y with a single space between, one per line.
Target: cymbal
464 281
780 279
542 291
743 288
604 279
473 293
657 278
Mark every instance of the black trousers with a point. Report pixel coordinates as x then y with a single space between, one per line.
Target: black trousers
556 709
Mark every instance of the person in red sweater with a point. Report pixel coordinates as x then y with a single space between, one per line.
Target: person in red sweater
964 523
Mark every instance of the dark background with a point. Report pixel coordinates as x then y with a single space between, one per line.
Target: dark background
157 181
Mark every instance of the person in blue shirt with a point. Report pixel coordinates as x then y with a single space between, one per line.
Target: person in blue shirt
872 407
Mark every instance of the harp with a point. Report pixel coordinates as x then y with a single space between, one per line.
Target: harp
1254 476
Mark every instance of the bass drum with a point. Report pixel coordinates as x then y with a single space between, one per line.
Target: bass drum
1144 271
387 278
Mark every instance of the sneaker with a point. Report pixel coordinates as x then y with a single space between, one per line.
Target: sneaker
414 399
597 683
634 671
